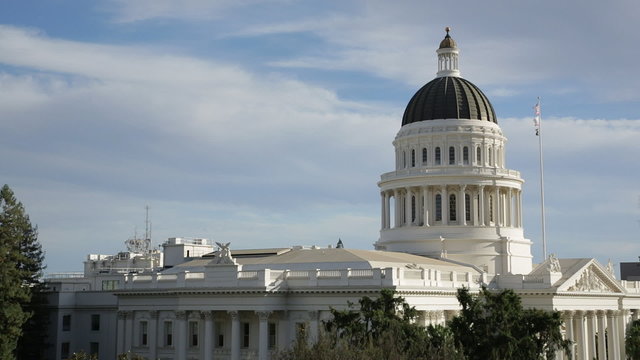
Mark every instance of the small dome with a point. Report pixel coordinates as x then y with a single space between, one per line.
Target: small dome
448 41
449 97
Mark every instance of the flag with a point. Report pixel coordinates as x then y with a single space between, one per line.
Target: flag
536 117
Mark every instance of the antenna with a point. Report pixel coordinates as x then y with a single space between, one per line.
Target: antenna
147 230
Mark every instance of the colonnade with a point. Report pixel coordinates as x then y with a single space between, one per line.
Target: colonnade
474 205
597 334
155 335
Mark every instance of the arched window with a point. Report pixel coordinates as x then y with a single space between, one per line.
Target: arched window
478 156
413 209
424 156
452 207
452 155
467 207
465 155
438 155
413 158
438 207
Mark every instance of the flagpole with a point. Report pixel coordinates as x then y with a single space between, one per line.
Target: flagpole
544 234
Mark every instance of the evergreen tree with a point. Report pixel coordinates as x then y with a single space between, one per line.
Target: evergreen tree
21 266
494 325
632 340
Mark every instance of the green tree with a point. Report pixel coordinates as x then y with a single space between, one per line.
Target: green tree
380 328
494 325
20 269
632 340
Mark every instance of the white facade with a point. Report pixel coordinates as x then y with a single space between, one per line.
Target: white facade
451 216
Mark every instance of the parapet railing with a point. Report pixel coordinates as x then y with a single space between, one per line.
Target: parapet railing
293 279
64 275
450 170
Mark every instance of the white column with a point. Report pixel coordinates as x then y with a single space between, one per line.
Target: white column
445 205
152 335
591 335
508 208
481 206
263 333
580 332
122 316
520 208
623 317
613 348
397 207
181 335
407 207
313 326
568 321
235 335
463 206
128 339
382 214
209 338
602 345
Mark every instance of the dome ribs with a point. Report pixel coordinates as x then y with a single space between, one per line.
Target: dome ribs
448 98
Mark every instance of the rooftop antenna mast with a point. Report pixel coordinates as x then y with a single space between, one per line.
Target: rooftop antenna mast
147 225
537 121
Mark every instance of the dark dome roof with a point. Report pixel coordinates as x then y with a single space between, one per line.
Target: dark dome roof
447 42
448 98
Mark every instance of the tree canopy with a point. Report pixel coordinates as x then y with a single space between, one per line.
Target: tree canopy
21 266
491 325
494 325
632 340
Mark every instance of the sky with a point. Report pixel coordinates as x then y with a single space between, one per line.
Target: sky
268 123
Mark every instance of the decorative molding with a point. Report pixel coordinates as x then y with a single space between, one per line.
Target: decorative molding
553 265
263 315
181 315
235 315
589 281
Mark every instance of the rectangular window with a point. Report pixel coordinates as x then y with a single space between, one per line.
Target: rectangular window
110 284
452 155
272 335
94 349
66 322
465 155
220 335
438 207
168 333
424 156
245 335
64 350
144 333
438 156
193 333
413 158
95 322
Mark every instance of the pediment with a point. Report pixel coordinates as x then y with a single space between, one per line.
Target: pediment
591 278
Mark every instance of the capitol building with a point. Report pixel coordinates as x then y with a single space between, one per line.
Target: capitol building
450 216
